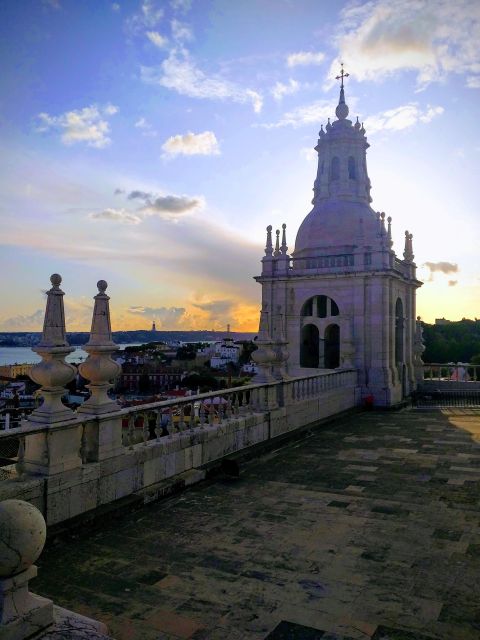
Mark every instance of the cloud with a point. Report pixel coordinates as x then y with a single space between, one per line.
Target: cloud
452 283
157 39
434 39
118 192
402 117
215 306
32 322
309 154
179 73
303 58
169 207
115 6
181 32
280 89
190 144
313 113
88 125
442 267
148 17
145 127
117 215
181 5
165 317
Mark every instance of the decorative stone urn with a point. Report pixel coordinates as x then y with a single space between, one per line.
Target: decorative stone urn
99 368
53 373
22 536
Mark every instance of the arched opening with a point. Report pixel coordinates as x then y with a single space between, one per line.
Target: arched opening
351 168
307 309
332 346
399 322
309 346
320 306
335 169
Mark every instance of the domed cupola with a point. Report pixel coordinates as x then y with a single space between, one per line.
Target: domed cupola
341 200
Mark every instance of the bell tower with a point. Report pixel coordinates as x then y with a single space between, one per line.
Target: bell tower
342 299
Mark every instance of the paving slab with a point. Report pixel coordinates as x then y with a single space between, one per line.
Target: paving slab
367 529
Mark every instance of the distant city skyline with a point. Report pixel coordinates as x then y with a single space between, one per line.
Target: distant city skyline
150 144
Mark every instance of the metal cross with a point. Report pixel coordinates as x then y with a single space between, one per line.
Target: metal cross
342 75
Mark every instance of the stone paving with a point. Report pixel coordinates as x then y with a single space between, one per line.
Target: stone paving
367 529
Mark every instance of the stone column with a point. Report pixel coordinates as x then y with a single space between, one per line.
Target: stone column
53 373
265 355
103 435
99 367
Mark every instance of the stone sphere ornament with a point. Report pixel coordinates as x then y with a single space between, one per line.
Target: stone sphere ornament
22 536
102 286
56 279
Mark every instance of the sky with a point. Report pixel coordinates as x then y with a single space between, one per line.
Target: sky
149 143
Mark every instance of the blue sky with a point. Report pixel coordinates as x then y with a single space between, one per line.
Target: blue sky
150 144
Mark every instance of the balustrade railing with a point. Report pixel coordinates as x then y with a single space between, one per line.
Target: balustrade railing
147 424
449 372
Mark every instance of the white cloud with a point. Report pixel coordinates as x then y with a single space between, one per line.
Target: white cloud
313 113
157 39
309 154
190 144
115 6
379 38
400 118
117 215
88 125
145 127
304 58
179 73
181 5
32 322
148 17
280 89
181 32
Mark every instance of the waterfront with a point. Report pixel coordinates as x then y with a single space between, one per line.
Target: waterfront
21 355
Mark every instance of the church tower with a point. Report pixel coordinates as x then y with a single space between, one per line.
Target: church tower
343 298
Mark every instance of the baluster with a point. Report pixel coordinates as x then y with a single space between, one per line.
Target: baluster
158 425
170 422
192 416
202 415
236 405
20 464
83 445
211 412
220 411
181 420
254 400
228 407
131 429
145 432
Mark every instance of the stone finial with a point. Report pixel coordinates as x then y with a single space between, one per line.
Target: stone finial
53 373
408 251
99 368
357 125
101 331
276 253
383 231
269 245
54 334
389 231
284 247
22 536
321 133
328 126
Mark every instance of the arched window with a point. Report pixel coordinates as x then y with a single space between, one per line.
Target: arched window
351 168
332 346
335 169
320 307
307 309
309 346
399 321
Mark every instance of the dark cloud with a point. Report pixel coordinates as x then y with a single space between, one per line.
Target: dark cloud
139 195
216 306
165 317
118 192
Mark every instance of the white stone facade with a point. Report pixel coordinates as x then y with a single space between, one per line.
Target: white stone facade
343 298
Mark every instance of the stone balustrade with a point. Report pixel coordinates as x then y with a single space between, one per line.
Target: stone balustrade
77 465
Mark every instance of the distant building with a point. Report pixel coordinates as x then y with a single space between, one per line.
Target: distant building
14 370
442 321
154 328
224 352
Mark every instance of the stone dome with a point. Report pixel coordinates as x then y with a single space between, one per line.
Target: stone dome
336 224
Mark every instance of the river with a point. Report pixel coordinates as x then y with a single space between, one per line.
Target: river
20 355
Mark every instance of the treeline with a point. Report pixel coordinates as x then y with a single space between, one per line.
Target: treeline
452 342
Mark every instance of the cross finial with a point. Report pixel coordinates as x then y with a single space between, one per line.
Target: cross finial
342 75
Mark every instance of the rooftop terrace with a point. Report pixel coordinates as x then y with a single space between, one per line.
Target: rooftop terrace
367 528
